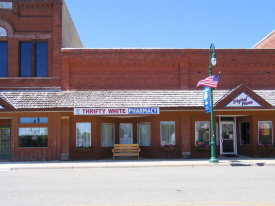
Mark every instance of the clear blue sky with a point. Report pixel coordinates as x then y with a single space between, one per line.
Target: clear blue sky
172 23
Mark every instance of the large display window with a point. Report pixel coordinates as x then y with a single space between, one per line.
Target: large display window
33 137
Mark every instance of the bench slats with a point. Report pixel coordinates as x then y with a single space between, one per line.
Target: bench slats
126 150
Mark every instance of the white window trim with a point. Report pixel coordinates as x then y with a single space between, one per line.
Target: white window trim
208 135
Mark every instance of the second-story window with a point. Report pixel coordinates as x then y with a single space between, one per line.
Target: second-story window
3 59
33 59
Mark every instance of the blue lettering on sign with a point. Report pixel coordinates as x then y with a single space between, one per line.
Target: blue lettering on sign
143 110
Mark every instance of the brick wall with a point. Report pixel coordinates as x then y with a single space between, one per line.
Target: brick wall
267 42
84 69
28 20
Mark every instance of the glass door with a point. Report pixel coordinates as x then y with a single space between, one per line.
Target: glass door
227 137
125 134
5 143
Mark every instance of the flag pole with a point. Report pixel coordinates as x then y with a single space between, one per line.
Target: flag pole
213 62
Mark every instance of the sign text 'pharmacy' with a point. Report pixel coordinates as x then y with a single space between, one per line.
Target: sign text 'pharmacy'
114 111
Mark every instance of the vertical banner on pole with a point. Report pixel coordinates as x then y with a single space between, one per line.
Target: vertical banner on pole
206 100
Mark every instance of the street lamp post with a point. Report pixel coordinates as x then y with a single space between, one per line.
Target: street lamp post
212 62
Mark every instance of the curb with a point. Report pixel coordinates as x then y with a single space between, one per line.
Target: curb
30 166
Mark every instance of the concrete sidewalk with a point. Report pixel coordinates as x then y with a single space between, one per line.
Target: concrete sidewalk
223 161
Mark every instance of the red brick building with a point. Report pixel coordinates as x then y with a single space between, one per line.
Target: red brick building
54 101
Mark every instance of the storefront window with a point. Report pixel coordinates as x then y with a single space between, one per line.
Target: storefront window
83 134
107 135
245 133
202 133
167 130
33 137
144 133
265 132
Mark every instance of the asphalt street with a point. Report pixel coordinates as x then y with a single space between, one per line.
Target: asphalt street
205 185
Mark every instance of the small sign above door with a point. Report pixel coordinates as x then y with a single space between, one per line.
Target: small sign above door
243 100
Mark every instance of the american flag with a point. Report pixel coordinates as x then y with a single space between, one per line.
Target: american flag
210 81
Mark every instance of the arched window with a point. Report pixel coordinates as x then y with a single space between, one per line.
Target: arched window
3 32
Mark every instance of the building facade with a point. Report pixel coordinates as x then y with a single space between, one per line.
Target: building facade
75 103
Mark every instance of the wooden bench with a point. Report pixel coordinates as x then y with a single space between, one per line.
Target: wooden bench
126 150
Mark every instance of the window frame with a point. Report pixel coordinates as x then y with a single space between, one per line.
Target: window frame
33 68
76 134
161 132
113 133
208 132
260 122
32 128
138 134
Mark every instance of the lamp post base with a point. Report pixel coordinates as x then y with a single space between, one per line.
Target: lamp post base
213 160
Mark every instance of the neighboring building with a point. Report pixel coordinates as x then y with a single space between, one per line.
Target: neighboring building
53 100
268 42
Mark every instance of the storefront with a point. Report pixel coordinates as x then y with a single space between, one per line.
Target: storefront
74 103
243 124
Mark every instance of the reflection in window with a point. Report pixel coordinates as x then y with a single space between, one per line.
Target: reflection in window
83 134
107 135
3 32
33 120
125 134
202 133
167 133
265 132
3 59
144 133
33 137
33 59
25 59
41 59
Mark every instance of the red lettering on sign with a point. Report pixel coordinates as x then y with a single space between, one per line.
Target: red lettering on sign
111 111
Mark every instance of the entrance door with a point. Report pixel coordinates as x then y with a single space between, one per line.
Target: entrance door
5 142
125 134
227 137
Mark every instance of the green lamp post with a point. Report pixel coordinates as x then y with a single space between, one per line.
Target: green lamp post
213 62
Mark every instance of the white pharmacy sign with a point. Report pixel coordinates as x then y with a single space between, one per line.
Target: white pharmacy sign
115 111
